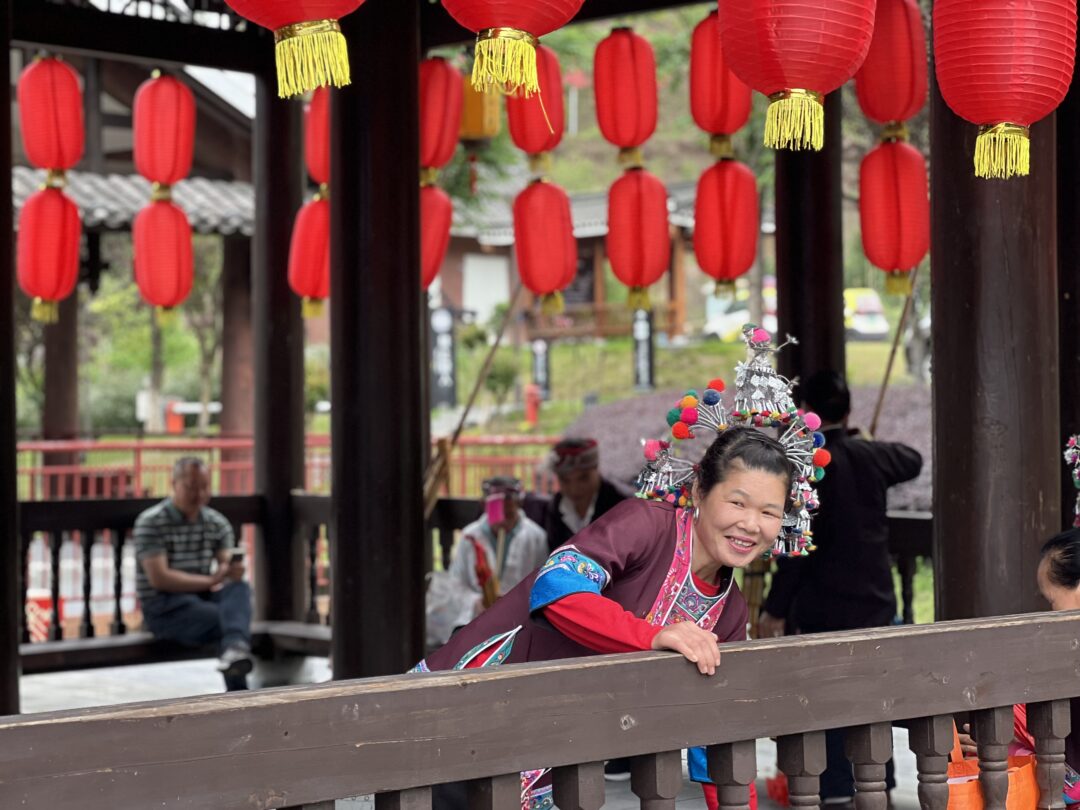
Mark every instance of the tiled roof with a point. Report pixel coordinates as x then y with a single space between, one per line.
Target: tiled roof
110 202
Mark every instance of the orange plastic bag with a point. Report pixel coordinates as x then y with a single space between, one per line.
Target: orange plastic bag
966 793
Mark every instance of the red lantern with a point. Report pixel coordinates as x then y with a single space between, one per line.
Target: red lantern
719 101
544 242
48 251
624 75
537 122
309 256
310 49
795 52
1004 65
891 84
726 221
894 210
440 112
51 114
507 34
436 216
317 136
163 123
638 238
164 266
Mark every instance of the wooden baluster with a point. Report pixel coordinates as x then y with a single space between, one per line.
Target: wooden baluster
1049 723
579 787
56 542
495 792
329 565
118 628
313 576
802 759
414 799
733 767
931 739
869 748
994 732
656 779
27 541
86 627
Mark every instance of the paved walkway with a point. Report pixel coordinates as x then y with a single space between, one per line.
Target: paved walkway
71 690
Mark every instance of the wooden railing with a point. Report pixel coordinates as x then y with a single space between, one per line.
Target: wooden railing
396 736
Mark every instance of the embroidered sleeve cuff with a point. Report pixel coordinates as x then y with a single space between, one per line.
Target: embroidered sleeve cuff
566 571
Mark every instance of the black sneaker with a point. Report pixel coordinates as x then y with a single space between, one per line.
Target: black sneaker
235 660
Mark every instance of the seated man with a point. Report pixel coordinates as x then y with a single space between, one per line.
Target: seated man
182 600
583 495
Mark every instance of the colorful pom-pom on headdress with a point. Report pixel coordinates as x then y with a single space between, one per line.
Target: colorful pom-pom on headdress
762 400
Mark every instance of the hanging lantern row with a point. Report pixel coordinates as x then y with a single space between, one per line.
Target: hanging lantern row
1003 66
163 124
719 100
891 85
795 53
50 230
309 246
436 217
537 122
624 84
441 112
639 238
544 242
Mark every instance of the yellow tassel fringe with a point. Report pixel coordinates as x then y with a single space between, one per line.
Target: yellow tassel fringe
310 55
638 299
720 147
44 311
724 289
632 158
312 307
552 304
795 120
165 316
505 62
898 283
540 164
1002 151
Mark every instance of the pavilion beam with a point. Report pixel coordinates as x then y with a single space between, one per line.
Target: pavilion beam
1068 180
997 454
128 38
279 352
810 252
377 525
10 551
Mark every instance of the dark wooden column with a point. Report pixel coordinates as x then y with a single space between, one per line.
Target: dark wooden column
997 457
1068 181
60 416
237 366
10 556
279 352
810 252
376 335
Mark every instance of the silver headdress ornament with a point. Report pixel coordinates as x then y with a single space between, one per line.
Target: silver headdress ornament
762 400
1072 458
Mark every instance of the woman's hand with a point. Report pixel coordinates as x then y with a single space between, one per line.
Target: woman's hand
697 645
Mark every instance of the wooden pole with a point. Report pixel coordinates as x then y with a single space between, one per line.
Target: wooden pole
60 415
997 454
904 315
377 530
237 359
279 354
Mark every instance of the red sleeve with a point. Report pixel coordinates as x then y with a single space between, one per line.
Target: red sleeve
600 624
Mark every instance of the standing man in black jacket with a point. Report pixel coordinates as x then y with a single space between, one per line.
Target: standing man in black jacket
583 495
847 583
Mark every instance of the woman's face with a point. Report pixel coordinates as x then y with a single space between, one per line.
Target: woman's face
740 517
1059 596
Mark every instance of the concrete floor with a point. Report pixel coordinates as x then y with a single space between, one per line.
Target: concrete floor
71 690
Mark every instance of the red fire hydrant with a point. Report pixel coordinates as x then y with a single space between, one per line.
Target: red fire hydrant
533 397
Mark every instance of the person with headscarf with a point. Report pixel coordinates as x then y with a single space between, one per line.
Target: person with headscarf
583 494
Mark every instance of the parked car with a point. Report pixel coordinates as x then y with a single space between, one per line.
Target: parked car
864 315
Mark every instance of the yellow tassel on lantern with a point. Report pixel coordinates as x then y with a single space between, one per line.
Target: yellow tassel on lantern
632 158
898 283
540 165
638 298
310 55
552 304
505 62
720 147
429 176
312 307
164 316
724 289
795 120
1002 151
44 311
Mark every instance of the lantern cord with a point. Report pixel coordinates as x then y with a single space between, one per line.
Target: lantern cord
312 307
638 298
310 55
1002 151
892 354
506 62
44 311
795 120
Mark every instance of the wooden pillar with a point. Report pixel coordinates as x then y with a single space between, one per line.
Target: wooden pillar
10 556
279 353
810 252
1068 217
60 416
997 454
237 366
377 526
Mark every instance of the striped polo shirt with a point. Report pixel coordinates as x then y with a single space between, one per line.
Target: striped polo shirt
190 546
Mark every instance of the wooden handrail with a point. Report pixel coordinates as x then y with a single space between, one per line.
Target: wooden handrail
301 745
87 515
